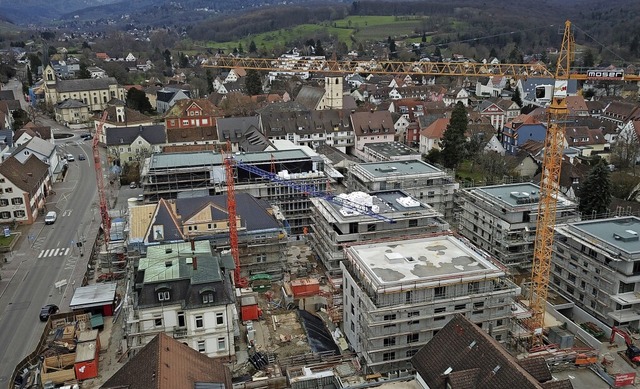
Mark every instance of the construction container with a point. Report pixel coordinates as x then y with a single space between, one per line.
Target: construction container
305 287
249 309
86 365
564 339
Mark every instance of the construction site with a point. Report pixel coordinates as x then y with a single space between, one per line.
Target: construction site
255 259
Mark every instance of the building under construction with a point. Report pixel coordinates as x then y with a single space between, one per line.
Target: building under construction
165 175
501 219
398 294
425 182
335 227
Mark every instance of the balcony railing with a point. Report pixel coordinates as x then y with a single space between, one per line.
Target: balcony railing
179 332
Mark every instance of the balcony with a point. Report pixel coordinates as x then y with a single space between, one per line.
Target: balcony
179 332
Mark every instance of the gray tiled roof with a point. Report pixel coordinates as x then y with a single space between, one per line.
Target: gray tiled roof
154 134
85 84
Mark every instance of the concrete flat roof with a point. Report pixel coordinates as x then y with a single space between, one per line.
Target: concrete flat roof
204 158
93 295
430 260
392 149
621 233
519 194
396 168
387 202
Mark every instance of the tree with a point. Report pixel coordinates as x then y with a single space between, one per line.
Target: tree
587 60
318 48
453 140
85 45
29 76
138 100
252 47
516 97
20 118
253 82
392 48
424 37
84 73
35 61
595 191
167 58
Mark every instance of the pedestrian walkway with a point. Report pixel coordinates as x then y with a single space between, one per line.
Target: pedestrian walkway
54 252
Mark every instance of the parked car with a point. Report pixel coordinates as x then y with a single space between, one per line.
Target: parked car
86 136
70 158
48 310
133 185
81 157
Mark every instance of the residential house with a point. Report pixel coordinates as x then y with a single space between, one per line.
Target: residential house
96 93
31 130
41 149
519 130
594 265
589 142
192 121
501 219
126 145
577 106
407 126
572 174
371 127
431 135
168 96
595 107
499 111
185 290
243 133
130 58
387 320
166 363
66 69
72 111
494 87
25 184
119 116
234 75
464 355
455 96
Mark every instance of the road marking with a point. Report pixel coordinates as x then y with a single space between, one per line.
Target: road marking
49 253
67 212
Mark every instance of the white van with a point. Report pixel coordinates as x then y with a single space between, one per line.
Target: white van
70 158
51 217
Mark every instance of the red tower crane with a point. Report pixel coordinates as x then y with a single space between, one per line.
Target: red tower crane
233 227
102 197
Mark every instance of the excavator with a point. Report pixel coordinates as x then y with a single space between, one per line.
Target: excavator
633 352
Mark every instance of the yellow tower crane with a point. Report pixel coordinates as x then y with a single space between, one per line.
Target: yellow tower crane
557 113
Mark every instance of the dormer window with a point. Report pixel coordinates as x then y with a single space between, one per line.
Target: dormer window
207 295
163 292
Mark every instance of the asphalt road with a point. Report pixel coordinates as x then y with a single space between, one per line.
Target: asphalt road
47 255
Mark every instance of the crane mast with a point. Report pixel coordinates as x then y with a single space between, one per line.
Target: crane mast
102 197
557 113
238 280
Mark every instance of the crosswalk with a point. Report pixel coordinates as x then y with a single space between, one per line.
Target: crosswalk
58 252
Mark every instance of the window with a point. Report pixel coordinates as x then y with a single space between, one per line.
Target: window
411 353
181 320
18 214
439 318
199 321
474 287
261 258
391 341
439 292
5 215
413 338
389 317
157 321
222 343
4 202
207 298
164 295
353 327
220 318
460 307
371 227
413 314
571 278
389 356
413 223
201 346
9 190
625 288
440 310
499 322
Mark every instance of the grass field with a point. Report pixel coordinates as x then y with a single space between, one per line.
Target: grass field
363 29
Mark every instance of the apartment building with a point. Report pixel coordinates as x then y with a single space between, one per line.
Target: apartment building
501 219
185 291
398 294
164 175
425 182
596 264
335 227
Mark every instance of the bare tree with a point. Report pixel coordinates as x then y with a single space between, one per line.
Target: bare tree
626 151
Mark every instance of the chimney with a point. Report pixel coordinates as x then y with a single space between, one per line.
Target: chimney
140 128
